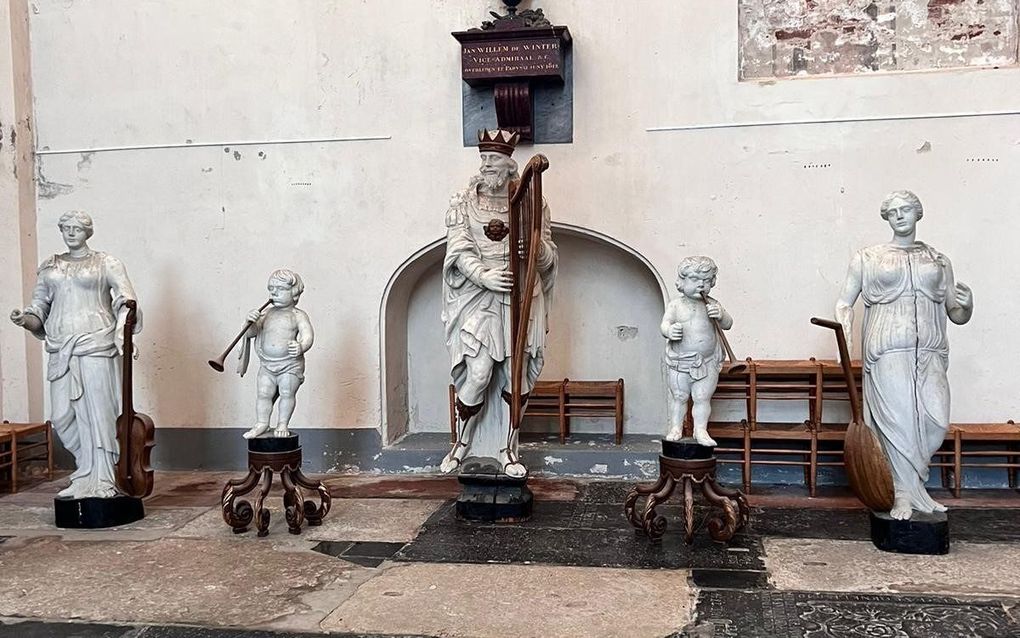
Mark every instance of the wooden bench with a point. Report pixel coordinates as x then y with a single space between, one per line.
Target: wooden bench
983 434
813 382
567 399
38 447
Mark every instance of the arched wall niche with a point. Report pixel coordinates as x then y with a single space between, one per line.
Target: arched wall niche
607 305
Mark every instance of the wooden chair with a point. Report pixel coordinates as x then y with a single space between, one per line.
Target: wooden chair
1005 434
34 449
593 398
7 454
566 399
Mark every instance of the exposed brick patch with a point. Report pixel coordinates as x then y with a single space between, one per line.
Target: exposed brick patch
780 38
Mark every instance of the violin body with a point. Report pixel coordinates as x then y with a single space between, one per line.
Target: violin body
135 431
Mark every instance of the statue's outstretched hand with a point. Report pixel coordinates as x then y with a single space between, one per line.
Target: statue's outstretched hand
964 296
497 280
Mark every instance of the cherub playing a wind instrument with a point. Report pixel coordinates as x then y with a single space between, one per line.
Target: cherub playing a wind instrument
282 335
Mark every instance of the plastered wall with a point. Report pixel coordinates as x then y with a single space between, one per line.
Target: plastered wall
780 208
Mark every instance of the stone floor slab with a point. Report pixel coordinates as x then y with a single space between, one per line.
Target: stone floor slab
775 614
479 601
381 520
203 582
33 520
982 569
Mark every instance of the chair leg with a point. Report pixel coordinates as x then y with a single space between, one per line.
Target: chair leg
1011 470
49 451
14 464
813 467
957 463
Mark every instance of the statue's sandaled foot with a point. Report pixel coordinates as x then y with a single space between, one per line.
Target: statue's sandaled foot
675 434
257 430
281 432
702 437
512 466
453 458
901 509
67 492
928 504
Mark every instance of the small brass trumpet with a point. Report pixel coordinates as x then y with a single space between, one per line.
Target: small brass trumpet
217 364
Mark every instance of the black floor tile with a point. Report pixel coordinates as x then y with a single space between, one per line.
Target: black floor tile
973 525
31 629
565 540
332 548
771 614
729 579
373 549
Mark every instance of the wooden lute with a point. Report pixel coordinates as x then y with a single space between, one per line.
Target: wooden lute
866 465
135 431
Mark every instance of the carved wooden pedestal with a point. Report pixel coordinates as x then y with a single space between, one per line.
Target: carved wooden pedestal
686 464
265 456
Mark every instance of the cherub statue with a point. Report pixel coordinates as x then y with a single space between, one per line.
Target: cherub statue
282 335
693 356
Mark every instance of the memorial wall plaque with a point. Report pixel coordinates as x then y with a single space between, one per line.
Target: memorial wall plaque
510 56
538 56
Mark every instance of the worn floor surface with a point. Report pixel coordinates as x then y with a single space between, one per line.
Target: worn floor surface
391 559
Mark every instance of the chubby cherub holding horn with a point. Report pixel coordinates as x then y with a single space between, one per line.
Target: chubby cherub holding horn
282 335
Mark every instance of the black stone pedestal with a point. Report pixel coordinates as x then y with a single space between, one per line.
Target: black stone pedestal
488 495
922 534
96 513
686 448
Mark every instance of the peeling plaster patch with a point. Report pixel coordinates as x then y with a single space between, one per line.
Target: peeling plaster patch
552 460
262 155
925 148
626 333
647 467
47 189
237 155
599 468
784 38
207 170
86 160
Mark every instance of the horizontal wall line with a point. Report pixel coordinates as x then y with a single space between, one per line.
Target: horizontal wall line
835 120
149 147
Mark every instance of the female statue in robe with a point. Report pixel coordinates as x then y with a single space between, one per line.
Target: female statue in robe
909 290
78 310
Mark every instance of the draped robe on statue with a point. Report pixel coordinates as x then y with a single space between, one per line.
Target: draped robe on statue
80 303
477 319
906 355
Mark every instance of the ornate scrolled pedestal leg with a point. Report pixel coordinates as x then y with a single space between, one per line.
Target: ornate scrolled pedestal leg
313 514
266 456
685 463
238 514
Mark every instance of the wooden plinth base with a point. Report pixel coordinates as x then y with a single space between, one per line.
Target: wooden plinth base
265 456
695 467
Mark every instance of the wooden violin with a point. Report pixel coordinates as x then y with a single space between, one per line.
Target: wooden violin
135 431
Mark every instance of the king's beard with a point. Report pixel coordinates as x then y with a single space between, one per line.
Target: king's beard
492 183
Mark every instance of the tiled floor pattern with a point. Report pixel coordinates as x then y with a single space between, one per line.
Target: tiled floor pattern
392 560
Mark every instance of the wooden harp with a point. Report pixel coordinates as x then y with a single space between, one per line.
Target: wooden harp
525 213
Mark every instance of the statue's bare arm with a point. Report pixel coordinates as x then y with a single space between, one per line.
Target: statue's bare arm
959 298
851 291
